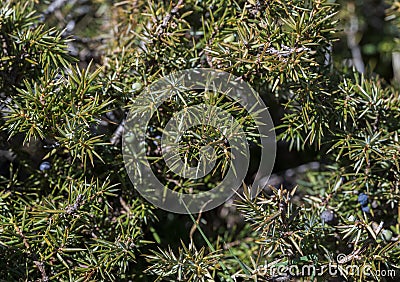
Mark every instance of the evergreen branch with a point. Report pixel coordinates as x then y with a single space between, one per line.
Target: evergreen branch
160 29
38 263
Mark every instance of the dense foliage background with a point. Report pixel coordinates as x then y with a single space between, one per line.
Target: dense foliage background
329 73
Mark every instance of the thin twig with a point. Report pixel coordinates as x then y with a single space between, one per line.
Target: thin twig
73 208
196 224
38 263
116 137
168 17
351 33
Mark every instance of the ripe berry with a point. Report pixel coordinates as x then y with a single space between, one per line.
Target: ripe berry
44 166
365 209
363 199
327 216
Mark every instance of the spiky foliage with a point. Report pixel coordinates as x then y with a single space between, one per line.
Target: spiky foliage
67 208
69 219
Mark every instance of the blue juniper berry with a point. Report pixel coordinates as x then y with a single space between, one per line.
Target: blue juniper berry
365 208
362 199
44 166
327 216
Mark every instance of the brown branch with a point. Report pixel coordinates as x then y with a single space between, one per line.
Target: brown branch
351 33
168 17
38 263
115 138
196 224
